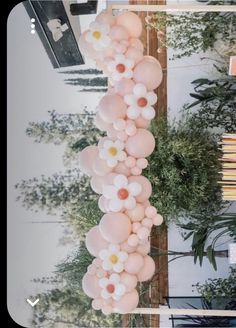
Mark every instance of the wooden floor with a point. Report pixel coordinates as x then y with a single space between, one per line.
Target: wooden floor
159 286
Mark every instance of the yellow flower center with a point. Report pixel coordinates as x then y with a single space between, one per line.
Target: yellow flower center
112 151
97 35
113 259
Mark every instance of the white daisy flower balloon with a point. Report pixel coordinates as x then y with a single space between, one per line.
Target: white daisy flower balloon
98 35
121 195
112 152
121 67
112 287
140 103
113 258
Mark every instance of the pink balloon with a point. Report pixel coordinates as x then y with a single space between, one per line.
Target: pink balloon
124 87
136 214
118 33
106 18
96 184
100 123
121 168
90 286
127 303
149 72
141 144
135 54
134 263
115 227
127 248
131 22
146 187
112 133
86 159
111 90
136 43
157 219
112 107
100 167
103 204
109 178
147 270
140 122
129 280
95 242
97 304
144 249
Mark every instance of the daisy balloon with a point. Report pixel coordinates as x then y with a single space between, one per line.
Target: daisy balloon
112 287
98 35
113 258
122 194
140 103
121 67
112 152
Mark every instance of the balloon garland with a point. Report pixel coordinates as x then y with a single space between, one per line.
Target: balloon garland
120 243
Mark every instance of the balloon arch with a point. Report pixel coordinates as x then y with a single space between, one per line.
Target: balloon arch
120 243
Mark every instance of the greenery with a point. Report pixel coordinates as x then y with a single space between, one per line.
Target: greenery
76 131
218 288
66 194
184 170
191 33
65 304
216 101
207 230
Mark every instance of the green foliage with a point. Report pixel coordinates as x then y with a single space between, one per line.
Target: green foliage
191 33
66 194
216 101
65 304
76 131
201 229
220 287
183 170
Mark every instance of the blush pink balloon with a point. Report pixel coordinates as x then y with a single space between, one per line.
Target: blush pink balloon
100 123
147 270
129 280
149 72
121 168
136 214
124 87
157 219
112 107
146 187
100 167
135 54
118 33
127 303
106 18
134 263
96 184
103 204
115 227
127 248
94 241
111 132
131 22
136 43
141 144
144 249
111 90
140 122
86 159
97 304
90 286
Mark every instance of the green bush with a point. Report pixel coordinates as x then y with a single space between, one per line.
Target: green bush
220 287
183 170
